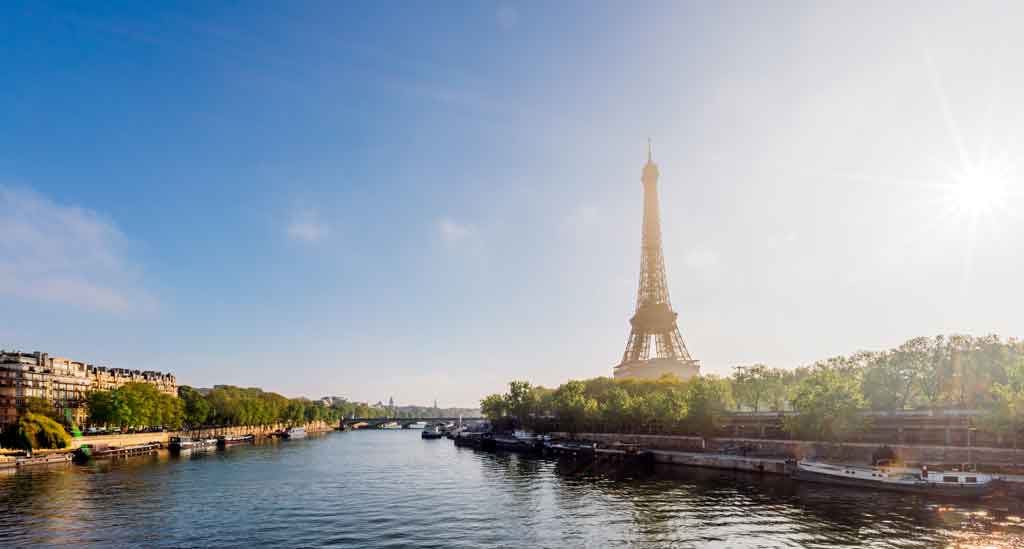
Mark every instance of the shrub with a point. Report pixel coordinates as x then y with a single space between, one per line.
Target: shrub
33 432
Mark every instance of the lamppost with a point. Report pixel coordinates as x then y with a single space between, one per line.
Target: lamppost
969 461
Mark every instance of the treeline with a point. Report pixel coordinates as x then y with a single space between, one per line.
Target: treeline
430 412
666 406
226 405
944 371
826 398
134 405
139 405
379 410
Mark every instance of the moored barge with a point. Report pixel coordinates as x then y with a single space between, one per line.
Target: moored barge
941 483
88 451
51 459
234 440
294 432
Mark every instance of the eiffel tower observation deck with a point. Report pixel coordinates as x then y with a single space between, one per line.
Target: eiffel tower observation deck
655 346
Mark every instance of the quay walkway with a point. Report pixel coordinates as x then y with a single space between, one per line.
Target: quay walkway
729 462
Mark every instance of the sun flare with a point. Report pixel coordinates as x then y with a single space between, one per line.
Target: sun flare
979 190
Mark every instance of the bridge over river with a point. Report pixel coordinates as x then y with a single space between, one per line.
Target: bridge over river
373 422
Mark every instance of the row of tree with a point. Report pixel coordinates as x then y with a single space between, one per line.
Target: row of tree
827 398
136 405
943 371
142 405
602 404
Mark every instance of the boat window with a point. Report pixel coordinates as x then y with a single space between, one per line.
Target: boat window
950 479
971 479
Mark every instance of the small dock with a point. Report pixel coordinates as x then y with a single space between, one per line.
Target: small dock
86 453
51 459
730 462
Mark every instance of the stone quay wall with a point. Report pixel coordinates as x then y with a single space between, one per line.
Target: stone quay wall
994 459
164 437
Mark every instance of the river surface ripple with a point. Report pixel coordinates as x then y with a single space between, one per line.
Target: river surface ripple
391 489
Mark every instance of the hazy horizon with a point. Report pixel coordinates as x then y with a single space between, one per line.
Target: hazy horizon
426 201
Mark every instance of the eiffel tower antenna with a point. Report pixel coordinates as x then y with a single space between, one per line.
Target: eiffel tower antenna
653 320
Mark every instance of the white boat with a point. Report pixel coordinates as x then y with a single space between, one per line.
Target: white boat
391 425
181 444
295 432
949 483
417 425
205 444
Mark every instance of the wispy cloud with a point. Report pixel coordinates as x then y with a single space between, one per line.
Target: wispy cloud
64 254
452 231
306 226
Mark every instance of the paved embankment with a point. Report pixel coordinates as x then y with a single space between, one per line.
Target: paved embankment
164 437
1003 460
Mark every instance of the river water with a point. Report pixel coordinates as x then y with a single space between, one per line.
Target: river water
391 489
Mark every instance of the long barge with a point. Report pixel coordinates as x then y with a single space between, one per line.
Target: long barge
88 452
51 459
940 483
233 440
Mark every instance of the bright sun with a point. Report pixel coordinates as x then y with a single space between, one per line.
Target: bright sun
979 189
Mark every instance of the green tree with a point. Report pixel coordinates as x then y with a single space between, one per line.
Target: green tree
197 409
708 399
1004 414
890 380
757 385
616 410
100 407
670 407
493 407
828 403
572 406
521 401
35 431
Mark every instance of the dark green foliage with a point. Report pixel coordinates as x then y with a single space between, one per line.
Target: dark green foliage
606 405
134 405
230 405
828 403
34 432
829 397
197 409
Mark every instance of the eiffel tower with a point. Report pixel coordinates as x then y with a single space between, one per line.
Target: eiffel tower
654 320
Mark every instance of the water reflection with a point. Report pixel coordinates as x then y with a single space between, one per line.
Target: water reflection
379 489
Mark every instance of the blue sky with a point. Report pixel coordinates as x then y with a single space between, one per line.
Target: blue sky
427 200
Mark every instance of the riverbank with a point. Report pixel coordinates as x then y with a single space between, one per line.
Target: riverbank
163 437
206 432
764 453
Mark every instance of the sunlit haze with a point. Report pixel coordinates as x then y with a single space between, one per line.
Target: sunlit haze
424 201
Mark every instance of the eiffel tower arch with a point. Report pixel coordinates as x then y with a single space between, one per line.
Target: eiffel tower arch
655 346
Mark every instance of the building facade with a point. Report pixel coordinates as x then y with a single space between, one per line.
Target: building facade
63 383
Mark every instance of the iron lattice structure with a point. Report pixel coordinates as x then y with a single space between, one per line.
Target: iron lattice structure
653 318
